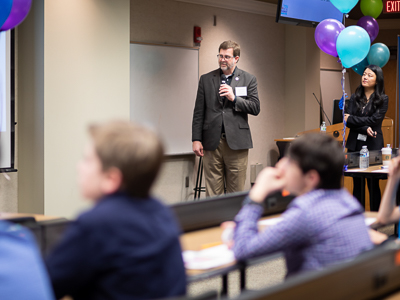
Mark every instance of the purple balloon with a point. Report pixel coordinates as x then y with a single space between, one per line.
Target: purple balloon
370 25
19 10
326 35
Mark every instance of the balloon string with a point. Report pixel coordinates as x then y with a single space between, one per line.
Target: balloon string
343 105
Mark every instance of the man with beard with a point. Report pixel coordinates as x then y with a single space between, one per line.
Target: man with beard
220 128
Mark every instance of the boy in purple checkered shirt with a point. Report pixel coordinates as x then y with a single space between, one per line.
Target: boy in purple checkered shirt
323 225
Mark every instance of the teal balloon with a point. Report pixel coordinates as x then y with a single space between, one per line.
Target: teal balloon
379 55
344 6
353 45
360 67
5 9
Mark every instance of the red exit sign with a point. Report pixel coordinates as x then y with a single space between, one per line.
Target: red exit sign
391 6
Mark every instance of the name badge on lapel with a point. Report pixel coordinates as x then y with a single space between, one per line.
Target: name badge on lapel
241 91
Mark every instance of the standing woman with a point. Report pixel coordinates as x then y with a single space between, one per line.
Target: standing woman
364 114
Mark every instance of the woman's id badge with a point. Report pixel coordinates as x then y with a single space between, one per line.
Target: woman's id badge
362 137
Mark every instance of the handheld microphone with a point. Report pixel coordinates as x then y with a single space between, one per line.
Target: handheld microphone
320 106
223 81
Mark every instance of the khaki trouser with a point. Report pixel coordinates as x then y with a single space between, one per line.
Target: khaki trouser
225 166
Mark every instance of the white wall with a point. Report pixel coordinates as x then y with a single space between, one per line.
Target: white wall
301 80
84 51
9 192
30 112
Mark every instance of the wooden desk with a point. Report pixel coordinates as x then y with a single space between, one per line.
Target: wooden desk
38 218
200 239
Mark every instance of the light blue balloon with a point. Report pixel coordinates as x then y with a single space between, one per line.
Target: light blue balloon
344 6
5 9
353 45
360 67
379 55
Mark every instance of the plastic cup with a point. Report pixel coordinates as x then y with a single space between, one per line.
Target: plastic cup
386 156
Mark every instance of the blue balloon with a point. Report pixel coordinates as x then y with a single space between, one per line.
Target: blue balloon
360 67
353 45
379 55
5 9
345 6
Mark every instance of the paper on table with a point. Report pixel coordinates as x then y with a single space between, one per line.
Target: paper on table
355 170
270 222
208 258
362 170
274 221
381 171
369 221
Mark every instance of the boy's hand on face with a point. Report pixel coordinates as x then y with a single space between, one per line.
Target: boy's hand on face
268 181
394 168
282 163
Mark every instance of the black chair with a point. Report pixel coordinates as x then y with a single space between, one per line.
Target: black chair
211 212
47 233
52 231
24 221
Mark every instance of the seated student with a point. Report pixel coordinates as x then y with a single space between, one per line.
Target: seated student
127 246
323 225
388 210
22 272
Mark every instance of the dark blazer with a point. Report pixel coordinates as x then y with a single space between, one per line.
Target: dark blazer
123 248
358 122
210 111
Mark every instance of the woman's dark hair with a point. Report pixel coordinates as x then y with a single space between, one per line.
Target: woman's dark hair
377 95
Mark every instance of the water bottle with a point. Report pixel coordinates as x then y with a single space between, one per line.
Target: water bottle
322 129
364 158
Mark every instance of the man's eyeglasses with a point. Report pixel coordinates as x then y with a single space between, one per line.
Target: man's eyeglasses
227 57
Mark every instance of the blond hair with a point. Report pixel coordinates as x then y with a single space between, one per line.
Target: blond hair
135 150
